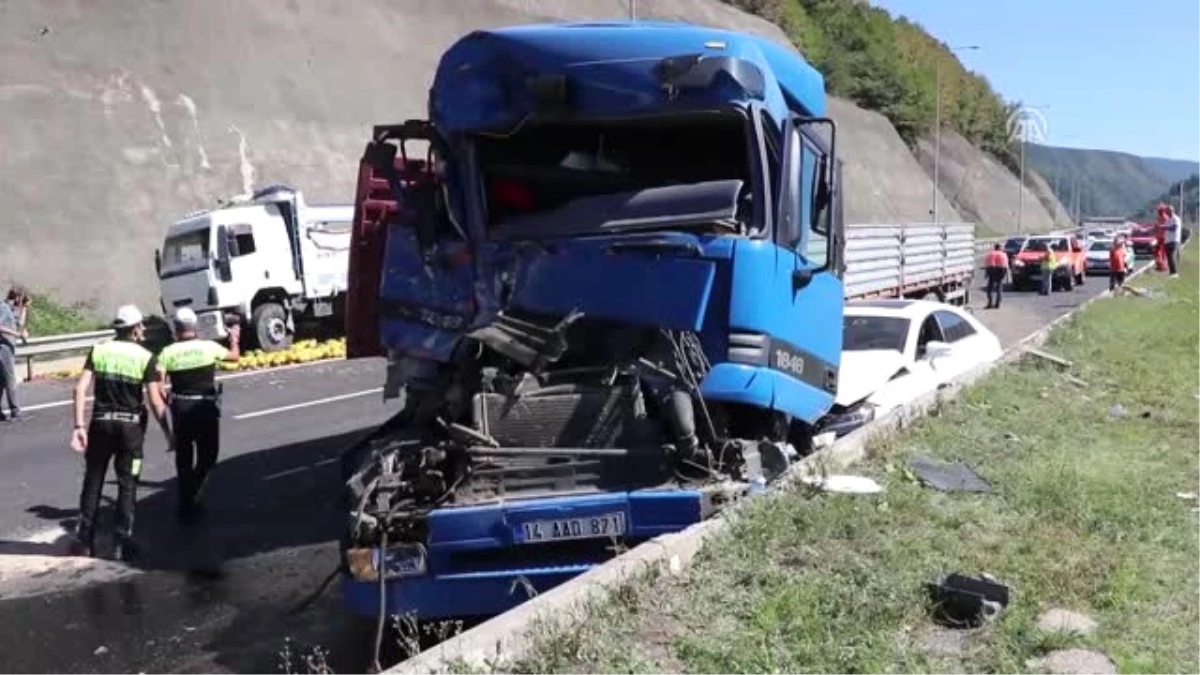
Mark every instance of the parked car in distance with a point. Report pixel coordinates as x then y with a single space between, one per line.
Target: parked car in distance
1069 271
896 350
1097 256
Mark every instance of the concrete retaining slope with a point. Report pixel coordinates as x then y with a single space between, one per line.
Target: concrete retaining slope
118 117
986 192
883 181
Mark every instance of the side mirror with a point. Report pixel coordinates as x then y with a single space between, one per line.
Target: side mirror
936 348
223 239
158 262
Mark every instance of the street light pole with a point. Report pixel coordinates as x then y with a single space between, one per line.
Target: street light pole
937 127
632 10
1021 187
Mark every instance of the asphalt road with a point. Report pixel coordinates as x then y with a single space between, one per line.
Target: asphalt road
212 599
217 599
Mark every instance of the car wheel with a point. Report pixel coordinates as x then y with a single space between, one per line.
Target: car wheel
1068 282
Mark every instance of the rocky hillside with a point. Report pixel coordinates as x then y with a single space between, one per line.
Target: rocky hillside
118 117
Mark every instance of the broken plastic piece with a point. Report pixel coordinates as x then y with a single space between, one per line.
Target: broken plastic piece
860 485
948 477
962 601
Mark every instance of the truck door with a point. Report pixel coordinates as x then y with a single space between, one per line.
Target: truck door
806 227
411 270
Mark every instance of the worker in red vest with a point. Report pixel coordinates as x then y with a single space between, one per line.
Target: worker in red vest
1117 264
996 267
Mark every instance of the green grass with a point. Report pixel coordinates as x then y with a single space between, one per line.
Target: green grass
47 317
1083 515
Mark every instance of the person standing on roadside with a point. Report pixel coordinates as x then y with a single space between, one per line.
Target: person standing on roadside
13 314
1171 227
996 268
189 365
124 376
1049 264
1118 266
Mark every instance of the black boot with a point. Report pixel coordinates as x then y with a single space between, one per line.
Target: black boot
81 549
125 550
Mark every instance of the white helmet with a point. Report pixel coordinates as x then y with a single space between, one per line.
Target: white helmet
185 318
128 316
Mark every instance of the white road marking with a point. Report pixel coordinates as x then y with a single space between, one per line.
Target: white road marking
307 404
43 406
220 378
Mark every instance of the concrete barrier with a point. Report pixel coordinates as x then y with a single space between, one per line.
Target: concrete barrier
511 635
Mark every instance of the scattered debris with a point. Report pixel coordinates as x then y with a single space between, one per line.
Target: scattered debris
962 601
1072 662
101 650
1149 294
1045 356
1082 384
848 484
1117 411
1190 496
1010 436
948 477
1065 621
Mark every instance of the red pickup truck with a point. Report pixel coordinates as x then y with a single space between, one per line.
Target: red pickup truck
1069 272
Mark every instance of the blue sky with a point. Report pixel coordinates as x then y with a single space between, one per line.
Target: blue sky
1111 74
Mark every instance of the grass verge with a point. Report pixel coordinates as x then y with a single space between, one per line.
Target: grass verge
1083 515
47 317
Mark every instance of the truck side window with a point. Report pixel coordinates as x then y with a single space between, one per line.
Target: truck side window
815 242
245 243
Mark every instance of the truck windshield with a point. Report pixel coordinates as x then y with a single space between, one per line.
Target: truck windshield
547 166
185 252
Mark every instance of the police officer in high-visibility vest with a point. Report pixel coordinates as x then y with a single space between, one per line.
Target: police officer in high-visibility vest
1049 265
190 365
124 375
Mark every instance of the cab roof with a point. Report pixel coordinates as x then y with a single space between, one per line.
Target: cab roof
611 69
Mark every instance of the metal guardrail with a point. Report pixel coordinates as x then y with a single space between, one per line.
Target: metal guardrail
59 344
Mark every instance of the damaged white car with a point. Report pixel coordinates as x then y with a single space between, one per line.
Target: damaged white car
896 350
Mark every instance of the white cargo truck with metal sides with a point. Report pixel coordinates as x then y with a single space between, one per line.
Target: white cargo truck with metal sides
269 259
916 261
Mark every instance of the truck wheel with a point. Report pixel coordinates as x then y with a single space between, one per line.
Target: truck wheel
270 327
1068 282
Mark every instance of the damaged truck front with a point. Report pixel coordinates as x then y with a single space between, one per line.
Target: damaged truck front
605 277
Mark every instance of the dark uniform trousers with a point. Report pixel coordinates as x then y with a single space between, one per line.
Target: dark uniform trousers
119 442
197 442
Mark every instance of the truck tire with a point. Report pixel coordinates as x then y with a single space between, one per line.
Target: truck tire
269 322
1068 282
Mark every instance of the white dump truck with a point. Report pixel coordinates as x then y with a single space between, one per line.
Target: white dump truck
270 259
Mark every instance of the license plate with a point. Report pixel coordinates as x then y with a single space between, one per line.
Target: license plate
402 560
562 529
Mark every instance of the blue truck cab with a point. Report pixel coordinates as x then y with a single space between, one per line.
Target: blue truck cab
605 275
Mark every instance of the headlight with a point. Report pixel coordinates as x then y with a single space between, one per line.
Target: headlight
1018 263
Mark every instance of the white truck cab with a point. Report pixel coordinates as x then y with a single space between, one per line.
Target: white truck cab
269 259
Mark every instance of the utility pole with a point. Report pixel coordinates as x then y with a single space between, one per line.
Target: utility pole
632 10
937 126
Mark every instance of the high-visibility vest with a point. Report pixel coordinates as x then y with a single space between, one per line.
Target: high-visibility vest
1049 262
119 368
